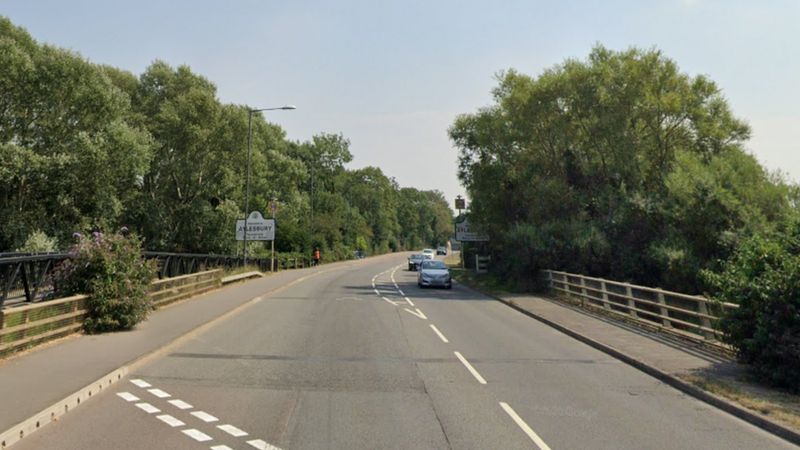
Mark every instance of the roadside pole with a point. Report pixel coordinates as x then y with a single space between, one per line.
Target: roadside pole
273 205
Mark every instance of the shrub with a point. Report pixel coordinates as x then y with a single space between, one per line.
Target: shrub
112 272
763 277
38 242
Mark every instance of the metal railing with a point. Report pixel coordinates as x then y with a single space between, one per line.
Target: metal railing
688 315
28 277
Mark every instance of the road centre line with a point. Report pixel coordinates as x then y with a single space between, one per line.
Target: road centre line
127 396
471 369
159 393
141 383
527 429
393 303
262 445
171 421
232 430
220 447
148 408
180 404
418 313
408 300
197 435
439 333
204 416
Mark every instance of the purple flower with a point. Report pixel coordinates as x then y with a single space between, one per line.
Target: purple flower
123 230
77 235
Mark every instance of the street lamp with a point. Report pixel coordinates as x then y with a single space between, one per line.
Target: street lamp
250 113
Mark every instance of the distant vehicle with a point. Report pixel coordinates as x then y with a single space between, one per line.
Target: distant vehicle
415 260
441 250
434 273
429 253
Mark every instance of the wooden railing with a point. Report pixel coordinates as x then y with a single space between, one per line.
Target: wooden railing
692 316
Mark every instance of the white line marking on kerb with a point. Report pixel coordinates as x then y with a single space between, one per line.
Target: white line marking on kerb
232 430
470 368
408 300
159 393
419 313
521 423
148 408
171 421
204 416
439 333
180 404
127 396
261 445
197 435
393 303
141 383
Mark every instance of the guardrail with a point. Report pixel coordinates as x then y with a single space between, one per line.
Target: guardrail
26 277
692 316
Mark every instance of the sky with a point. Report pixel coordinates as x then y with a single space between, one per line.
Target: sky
392 76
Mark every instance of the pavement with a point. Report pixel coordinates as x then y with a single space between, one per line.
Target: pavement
356 356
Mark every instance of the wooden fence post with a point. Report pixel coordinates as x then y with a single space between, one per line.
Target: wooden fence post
606 304
631 302
583 292
705 321
664 311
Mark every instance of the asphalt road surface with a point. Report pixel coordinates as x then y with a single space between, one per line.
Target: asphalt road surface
360 358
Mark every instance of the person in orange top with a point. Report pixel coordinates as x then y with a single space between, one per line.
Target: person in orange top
316 256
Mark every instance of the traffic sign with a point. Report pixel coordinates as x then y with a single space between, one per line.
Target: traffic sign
258 228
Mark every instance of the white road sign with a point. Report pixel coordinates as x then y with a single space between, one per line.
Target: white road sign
464 233
258 228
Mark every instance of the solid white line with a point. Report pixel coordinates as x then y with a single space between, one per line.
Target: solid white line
470 368
261 445
439 333
395 304
419 313
159 393
148 408
204 416
127 396
197 435
521 423
171 421
408 300
180 404
232 430
141 383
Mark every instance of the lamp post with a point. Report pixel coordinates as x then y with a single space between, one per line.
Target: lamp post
250 113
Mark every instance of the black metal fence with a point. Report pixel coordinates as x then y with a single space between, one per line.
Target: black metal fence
28 277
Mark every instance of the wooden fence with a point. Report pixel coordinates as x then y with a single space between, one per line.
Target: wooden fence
691 316
26 326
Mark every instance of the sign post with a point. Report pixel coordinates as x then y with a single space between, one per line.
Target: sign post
273 206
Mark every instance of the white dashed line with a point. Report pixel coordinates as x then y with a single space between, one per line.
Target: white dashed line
171 421
261 445
141 383
127 396
204 416
197 435
419 313
470 368
521 423
408 300
220 447
159 393
148 408
439 333
180 404
232 430
393 303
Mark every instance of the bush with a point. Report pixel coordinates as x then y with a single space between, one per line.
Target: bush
111 271
38 242
763 277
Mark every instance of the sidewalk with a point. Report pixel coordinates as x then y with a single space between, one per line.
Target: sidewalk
70 369
667 358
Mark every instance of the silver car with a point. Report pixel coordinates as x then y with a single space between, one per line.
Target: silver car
434 273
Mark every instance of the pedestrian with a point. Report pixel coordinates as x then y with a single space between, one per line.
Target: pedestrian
316 256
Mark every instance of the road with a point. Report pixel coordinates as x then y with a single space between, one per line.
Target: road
360 358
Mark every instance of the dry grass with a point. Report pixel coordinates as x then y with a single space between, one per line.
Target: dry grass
777 405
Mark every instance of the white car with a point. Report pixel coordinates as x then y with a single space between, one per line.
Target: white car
429 253
434 273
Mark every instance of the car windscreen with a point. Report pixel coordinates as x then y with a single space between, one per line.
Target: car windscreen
434 265
417 256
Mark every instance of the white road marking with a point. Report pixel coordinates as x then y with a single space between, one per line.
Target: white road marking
180 404
148 408
393 303
439 333
159 393
141 383
470 368
127 396
408 300
220 447
232 430
377 292
418 313
521 423
171 421
261 445
204 416
401 291
197 435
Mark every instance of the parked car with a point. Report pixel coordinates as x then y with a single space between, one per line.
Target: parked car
429 253
415 260
441 250
434 273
